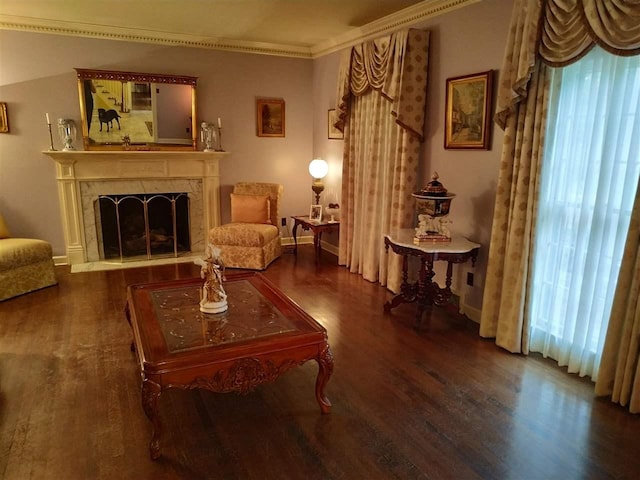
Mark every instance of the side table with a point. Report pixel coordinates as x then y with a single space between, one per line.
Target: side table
318 228
425 292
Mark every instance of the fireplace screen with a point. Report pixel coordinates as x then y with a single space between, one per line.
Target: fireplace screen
144 225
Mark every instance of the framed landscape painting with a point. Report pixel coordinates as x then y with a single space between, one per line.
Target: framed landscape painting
467 123
270 117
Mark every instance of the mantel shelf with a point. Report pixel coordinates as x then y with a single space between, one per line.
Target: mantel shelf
79 155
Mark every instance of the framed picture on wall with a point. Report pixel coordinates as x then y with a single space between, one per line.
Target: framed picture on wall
467 122
270 117
333 132
4 120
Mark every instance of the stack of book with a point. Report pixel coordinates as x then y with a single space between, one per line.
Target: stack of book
430 238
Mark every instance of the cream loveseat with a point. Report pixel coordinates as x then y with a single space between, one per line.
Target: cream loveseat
252 239
26 264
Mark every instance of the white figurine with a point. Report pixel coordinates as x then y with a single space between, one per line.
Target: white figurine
425 225
442 227
214 298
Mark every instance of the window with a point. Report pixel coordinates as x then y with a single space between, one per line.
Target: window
588 181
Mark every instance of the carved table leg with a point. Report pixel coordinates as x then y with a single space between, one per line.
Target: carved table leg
407 293
424 279
325 364
295 236
318 242
150 396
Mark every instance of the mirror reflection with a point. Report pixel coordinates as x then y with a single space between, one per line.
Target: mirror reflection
137 110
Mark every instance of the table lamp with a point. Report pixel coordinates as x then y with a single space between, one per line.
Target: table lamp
318 169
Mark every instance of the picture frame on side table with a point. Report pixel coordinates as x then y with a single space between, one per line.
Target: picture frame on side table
332 132
315 213
467 123
270 117
4 119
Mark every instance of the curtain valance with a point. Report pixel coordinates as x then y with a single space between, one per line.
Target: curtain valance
395 65
561 32
571 27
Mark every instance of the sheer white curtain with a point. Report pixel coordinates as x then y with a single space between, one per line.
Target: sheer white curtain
587 188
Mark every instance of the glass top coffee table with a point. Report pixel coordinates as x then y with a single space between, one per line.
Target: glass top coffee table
262 335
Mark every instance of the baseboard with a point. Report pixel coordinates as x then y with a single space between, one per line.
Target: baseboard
302 240
59 260
471 312
329 247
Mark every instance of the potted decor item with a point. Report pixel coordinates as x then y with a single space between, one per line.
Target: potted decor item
432 206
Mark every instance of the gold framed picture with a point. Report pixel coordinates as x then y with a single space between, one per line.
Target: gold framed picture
4 119
467 123
270 117
333 132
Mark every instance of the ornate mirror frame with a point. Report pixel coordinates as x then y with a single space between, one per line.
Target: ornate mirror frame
120 125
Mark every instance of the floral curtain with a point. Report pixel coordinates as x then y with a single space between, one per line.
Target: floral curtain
381 107
619 374
552 32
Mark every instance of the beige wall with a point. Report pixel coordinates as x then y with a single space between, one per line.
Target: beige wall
465 41
36 76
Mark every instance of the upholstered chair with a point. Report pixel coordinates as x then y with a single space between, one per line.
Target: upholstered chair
252 239
26 264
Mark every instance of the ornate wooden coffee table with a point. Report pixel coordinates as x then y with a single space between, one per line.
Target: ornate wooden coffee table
262 335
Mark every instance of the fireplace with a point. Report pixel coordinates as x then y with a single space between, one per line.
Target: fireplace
140 225
84 176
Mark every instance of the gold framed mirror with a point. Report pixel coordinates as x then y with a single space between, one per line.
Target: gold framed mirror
137 111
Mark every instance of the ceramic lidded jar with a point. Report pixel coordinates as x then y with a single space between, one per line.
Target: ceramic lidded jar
433 200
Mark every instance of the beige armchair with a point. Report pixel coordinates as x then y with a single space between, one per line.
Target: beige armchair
252 239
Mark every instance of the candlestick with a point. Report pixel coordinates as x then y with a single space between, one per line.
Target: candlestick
219 149
51 149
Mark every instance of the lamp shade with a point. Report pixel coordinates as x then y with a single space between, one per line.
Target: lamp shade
318 168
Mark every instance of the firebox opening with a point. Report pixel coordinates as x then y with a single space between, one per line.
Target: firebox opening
144 225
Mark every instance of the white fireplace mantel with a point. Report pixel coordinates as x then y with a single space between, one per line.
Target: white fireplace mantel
74 167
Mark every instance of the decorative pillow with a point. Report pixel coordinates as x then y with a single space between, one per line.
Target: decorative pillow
250 208
4 231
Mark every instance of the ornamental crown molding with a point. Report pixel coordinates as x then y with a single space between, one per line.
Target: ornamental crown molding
403 19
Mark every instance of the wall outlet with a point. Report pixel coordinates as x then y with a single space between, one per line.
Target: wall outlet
283 221
470 279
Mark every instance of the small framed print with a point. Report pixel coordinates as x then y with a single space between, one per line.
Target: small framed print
315 213
333 132
4 120
270 117
467 123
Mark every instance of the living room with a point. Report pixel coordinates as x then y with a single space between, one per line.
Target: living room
38 77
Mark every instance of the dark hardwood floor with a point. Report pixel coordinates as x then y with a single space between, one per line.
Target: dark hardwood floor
436 403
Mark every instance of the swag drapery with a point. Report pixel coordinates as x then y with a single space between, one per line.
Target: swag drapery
381 108
550 33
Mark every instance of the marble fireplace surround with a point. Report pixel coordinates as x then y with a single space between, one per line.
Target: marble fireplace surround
83 175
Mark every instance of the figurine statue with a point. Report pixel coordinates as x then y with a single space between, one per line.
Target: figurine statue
214 298
432 227
425 225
